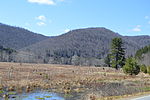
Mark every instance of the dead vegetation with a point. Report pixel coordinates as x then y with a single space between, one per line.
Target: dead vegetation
94 83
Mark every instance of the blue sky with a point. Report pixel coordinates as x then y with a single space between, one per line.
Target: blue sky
54 17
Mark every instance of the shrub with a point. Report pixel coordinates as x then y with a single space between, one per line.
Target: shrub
148 70
143 68
131 67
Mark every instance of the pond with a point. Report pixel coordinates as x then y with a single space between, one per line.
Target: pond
40 95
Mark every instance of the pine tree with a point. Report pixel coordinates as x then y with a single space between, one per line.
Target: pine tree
117 53
107 60
131 66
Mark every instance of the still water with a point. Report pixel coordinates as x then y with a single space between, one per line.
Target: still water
41 95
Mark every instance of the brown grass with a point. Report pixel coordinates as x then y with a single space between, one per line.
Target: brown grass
64 78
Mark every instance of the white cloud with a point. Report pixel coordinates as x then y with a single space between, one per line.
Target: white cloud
41 18
146 17
41 24
66 30
149 22
61 0
137 28
47 2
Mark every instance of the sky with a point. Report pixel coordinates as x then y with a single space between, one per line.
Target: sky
55 17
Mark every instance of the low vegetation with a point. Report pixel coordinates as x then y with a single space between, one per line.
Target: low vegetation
143 68
131 67
86 82
148 70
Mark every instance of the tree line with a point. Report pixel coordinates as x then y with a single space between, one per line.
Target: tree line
6 54
116 58
142 51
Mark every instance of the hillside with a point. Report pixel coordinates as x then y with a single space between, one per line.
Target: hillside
80 47
16 38
145 59
86 43
90 42
143 55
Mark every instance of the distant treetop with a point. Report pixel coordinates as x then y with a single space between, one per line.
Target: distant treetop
141 51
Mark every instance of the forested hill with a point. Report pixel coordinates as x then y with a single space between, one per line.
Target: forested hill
88 42
81 46
143 55
16 38
91 42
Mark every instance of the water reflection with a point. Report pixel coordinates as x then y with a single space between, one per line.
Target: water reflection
42 95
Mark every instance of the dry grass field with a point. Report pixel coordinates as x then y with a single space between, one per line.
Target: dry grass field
87 83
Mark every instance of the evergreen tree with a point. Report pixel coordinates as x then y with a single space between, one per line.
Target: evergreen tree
142 51
131 66
107 60
143 68
117 53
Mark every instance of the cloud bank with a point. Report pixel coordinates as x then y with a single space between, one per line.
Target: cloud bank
137 28
47 2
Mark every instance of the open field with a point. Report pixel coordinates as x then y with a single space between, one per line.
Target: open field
85 83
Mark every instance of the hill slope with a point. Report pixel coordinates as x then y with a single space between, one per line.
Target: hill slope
77 46
16 38
143 55
90 42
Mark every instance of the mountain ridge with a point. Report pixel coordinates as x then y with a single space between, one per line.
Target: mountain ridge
16 37
84 46
91 35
